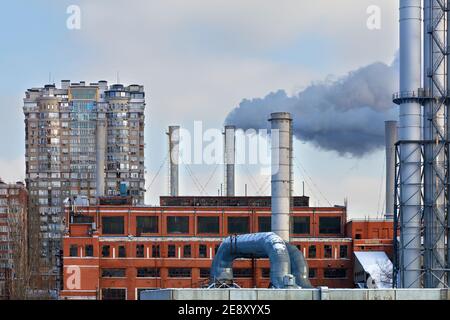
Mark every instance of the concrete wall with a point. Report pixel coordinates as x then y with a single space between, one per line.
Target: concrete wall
322 293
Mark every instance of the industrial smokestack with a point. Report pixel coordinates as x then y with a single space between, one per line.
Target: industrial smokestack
281 133
174 141
229 159
409 132
100 138
391 138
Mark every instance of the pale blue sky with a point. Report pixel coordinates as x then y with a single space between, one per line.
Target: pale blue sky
197 60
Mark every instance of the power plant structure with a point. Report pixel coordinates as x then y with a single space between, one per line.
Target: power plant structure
174 150
422 203
229 159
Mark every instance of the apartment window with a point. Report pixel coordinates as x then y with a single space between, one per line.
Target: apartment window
146 225
265 273
312 251
156 252
139 251
177 224
105 251
328 251
114 294
301 225
264 224
122 252
179 272
113 225
113 273
73 252
89 250
148 273
242 272
171 251
187 251
343 252
208 225
238 225
312 273
334 273
330 225
204 272
202 251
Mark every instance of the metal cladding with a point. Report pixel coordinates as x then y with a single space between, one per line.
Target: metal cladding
391 138
299 267
174 142
410 149
255 245
281 134
230 150
100 137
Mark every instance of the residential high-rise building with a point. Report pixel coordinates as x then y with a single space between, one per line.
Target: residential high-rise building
84 140
13 239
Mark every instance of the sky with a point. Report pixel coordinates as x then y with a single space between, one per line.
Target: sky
198 59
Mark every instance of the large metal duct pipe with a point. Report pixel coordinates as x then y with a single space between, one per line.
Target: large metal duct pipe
281 135
229 147
174 149
391 138
409 132
255 245
100 147
299 267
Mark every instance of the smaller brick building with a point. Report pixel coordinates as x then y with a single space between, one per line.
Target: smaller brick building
115 251
13 234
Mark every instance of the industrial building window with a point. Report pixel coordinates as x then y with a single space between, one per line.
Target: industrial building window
113 273
171 251
204 272
73 252
332 273
146 225
114 294
301 225
328 251
105 251
312 273
238 225
179 272
89 250
264 224
343 252
242 273
177 224
187 251
330 225
139 251
113 225
265 272
312 251
156 252
208 225
202 251
122 252
148 273
216 248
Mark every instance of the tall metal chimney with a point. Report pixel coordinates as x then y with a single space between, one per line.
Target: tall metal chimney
229 147
174 141
390 138
100 147
281 134
409 132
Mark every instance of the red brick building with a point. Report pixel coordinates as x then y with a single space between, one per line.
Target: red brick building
13 234
114 251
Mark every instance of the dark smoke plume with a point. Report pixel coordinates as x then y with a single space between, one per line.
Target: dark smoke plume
345 115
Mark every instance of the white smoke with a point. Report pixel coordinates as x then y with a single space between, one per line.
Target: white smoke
345 115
